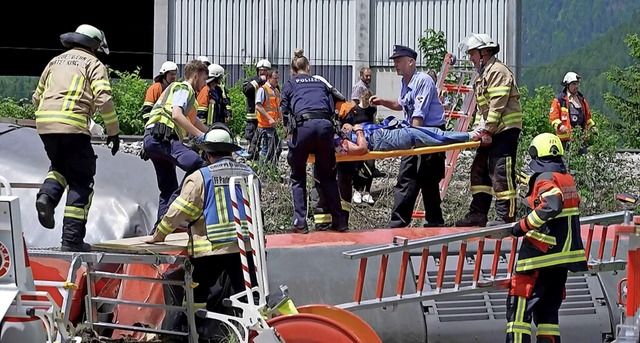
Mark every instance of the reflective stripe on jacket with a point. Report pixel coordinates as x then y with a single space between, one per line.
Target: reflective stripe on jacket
205 203
162 111
552 229
72 87
271 105
559 114
498 98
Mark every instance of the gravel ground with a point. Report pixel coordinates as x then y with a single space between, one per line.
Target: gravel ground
617 175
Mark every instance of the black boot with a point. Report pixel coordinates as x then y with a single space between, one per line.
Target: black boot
75 247
46 209
473 219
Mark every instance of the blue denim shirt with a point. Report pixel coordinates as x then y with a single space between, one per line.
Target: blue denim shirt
419 99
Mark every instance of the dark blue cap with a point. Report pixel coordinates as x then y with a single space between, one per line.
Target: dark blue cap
403 51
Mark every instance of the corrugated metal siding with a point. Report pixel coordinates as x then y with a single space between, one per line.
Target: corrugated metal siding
237 32
404 21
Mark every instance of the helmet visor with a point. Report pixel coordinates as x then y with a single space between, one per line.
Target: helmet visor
104 47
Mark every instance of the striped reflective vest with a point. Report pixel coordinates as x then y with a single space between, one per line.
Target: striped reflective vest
559 114
218 207
271 105
163 108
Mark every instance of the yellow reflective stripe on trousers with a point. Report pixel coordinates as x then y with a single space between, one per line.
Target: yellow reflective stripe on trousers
185 207
550 260
519 327
66 117
346 206
75 212
323 218
54 175
481 189
507 195
498 91
548 330
100 85
77 83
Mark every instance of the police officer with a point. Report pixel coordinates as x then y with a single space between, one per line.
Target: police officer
419 101
71 88
204 201
214 105
170 120
249 88
166 75
499 114
308 109
551 247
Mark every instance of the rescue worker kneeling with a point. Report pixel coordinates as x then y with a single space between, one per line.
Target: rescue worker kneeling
205 203
552 246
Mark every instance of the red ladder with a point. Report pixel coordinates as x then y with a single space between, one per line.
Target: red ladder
462 106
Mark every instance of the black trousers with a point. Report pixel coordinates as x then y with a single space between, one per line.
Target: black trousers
541 306
321 215
418 173
252 139
73 166
363 177
217 278
493 172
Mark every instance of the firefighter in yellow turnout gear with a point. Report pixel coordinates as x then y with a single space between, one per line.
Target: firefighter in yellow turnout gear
499 115
72 87
205 203
551 247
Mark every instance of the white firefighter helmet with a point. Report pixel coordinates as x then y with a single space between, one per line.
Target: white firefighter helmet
215 71
478 41
219 139
263 64
570 77
168 66
88 36
204 59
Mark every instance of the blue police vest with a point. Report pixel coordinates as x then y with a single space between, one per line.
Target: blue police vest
218 210
309 95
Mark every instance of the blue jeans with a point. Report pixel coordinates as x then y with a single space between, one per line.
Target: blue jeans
411 137
269 145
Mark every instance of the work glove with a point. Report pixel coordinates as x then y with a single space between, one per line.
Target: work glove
115 143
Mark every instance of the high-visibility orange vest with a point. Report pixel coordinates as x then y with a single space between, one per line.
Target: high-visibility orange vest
271 104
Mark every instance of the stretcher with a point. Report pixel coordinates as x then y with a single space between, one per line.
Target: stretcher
374 155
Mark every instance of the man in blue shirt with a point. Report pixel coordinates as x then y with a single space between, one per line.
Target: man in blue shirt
421 106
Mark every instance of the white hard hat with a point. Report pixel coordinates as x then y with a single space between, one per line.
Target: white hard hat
215 71
570 77
478 41
88 36
204 59
218 139
263 64
167 66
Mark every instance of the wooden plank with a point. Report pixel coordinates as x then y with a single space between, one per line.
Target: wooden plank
175 242
374 155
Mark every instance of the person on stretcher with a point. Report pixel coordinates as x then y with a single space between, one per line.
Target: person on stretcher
394 134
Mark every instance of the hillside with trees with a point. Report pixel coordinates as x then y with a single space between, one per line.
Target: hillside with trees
590 61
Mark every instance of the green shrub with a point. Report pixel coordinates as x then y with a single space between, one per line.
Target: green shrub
128 91
239 103
20 109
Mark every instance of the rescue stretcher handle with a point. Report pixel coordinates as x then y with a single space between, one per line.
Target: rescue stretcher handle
5 184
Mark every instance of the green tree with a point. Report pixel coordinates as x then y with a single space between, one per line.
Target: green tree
128 91
627 105
433 46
